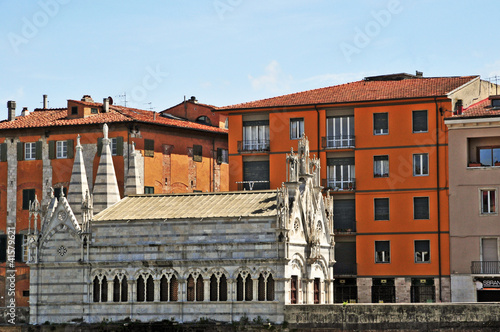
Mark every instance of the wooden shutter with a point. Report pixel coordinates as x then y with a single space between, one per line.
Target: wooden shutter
419 121
69 151
293 290
381 208
3 152
490 250
52 149
174 289
119 146
38 150
421 207
20 151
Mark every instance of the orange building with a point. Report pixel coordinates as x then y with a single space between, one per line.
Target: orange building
37 153
383 148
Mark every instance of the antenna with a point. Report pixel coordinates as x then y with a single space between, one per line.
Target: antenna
124 96
150 106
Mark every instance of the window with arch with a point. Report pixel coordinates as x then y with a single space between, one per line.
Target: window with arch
218 287
266 287
100 289
145 289
169 288
204 120
120 289
195 288
244 288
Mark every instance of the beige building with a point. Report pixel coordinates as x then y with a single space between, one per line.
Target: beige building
220 256
474 168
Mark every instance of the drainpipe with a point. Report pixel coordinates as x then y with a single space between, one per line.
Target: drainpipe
438 200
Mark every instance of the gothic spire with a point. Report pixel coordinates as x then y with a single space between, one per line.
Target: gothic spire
78 185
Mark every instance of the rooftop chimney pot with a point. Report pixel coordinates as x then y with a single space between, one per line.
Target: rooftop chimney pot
11 107
25 111
193 99
105 105
45 102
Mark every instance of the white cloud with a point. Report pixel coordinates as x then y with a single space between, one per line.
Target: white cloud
274 80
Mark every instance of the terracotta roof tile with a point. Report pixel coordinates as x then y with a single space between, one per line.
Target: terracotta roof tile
58 117
480 109
361 91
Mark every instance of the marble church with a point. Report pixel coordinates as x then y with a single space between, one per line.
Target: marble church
223 256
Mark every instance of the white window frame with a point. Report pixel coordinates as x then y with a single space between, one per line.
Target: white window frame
381 175
418 160
114 146
30 151
495 202
296 128
384 259
421 258
340 131
61 149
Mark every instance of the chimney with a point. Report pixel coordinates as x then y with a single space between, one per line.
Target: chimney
11 106
25 111
87 98
419 73
105 105
193 99
45 102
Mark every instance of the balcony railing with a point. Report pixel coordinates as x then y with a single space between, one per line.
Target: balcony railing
338 142
253 145
340 185
253 185
345 269
485 267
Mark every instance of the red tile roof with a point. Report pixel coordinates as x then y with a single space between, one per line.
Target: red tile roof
58 117
480 109
363 91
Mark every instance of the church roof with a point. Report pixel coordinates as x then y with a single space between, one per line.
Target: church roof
258 203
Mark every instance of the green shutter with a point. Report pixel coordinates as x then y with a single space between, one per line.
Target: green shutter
99 146
119 146
3 152
70 152
38 151
20 151
52 149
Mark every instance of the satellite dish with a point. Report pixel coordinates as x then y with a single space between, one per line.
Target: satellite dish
110 100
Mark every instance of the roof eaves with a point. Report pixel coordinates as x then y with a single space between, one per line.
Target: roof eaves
477 77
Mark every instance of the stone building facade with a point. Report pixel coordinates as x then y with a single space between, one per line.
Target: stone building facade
187 256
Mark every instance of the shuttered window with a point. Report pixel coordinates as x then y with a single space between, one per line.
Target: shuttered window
490 250
293 290
420 207
197 153
256 171
381 207
3 152
28 197
419 121
149 148
380 123
174 289
116 146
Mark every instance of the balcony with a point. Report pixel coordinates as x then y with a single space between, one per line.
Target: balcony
344 227
485 267
261 145
340 185
345 269
338 142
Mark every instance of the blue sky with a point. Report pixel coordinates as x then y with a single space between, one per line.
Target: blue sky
231 51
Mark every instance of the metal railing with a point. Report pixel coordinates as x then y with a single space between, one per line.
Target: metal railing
253 145
338 142
344 184
485 267
252 185
345 269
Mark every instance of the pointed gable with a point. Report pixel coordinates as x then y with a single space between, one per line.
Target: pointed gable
106 192
78 186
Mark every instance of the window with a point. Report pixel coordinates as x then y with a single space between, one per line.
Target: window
93 110
420 164
294 290
100 289
422 251
339 132
296 128
489 156
380 123
21 248
218 288
197 153
30 151
62 149
419 121
28 197
265 288
169 289
340 172
204 120
244 288
120 290
420 207
488 201
3 152
222 156
382 252
74 110
317 290
255 136
57 192
115 144
149 148
149 190
380 166
381 208
195 288
145 289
